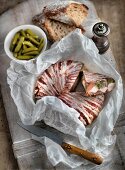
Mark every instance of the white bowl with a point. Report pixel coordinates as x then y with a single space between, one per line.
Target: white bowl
38 31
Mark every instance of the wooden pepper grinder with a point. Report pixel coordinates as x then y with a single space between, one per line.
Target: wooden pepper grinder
101 31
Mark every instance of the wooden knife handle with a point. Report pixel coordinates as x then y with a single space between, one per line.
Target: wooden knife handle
95 158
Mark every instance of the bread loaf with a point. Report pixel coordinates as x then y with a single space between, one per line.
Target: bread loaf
71 13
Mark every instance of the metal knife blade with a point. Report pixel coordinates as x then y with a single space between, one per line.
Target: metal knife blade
40 132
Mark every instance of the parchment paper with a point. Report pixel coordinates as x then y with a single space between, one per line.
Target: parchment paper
96 137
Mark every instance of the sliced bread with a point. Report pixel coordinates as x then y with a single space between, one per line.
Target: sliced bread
55 29
71 13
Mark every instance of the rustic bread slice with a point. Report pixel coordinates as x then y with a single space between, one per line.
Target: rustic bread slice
40 21
71 13
55 29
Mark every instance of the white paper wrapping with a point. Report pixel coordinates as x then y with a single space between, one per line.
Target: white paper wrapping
96 137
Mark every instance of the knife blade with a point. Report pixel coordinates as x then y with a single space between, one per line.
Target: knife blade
40 132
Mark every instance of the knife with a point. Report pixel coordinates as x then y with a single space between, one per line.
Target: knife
40 132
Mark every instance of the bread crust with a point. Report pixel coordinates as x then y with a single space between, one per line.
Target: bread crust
65 14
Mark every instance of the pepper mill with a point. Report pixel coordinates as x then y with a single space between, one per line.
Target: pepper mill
101 31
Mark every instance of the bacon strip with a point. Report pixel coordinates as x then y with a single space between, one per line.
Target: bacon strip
58 78
88 107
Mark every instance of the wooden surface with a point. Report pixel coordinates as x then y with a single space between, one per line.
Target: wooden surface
113 13
7 160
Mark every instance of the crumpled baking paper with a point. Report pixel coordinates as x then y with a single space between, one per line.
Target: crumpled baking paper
96 137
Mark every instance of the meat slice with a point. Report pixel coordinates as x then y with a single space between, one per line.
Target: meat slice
88 107
72 72
44 86
58 78
95 83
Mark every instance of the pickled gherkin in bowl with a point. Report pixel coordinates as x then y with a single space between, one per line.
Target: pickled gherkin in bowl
25 42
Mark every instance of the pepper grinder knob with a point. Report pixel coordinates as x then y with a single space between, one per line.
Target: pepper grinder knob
101 30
